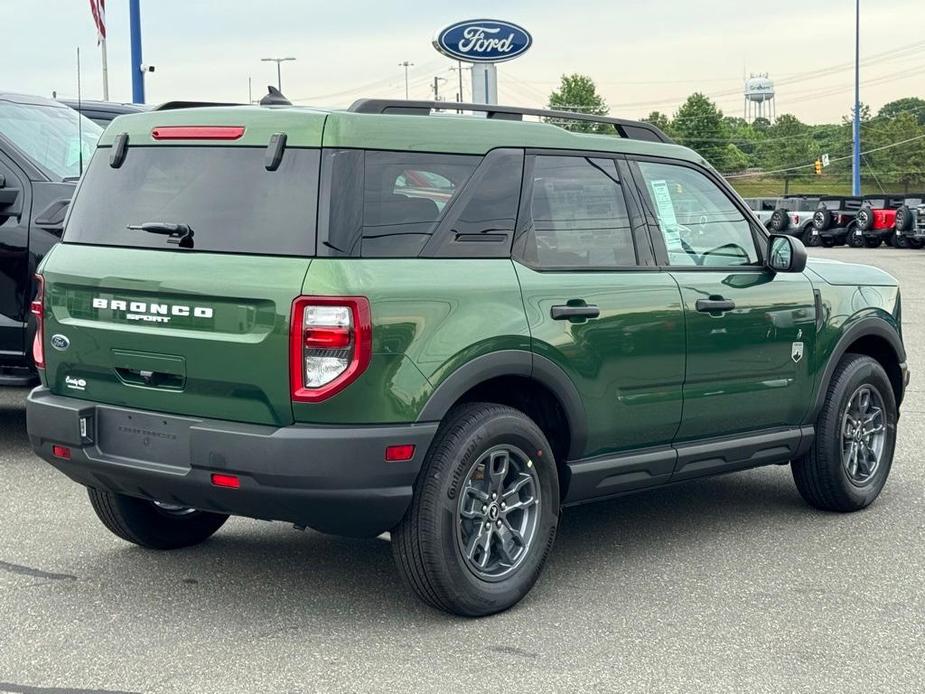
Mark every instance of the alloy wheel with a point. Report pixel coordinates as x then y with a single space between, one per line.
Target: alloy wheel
863 434
497 513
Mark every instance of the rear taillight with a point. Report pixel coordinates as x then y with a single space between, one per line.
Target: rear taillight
330 342
38 310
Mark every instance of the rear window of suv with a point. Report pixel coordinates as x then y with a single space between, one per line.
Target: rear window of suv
224 194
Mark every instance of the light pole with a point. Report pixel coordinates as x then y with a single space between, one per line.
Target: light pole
138 75
405 64
279 74
856 149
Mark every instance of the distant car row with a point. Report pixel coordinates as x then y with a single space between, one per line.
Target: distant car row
830 220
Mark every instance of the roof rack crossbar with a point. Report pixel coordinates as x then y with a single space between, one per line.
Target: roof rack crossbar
632 129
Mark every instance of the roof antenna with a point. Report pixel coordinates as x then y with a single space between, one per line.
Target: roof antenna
80 137
274 97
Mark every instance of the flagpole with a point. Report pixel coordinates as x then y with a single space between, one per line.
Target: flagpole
105 70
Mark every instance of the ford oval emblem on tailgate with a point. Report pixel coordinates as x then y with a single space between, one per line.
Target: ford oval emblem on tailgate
60 342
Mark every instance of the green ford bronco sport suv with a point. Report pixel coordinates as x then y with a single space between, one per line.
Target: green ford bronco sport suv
445 327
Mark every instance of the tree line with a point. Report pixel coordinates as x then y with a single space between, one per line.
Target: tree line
893 139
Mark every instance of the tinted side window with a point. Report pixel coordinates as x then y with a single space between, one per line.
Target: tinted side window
579 215
387 204
481 222
698 222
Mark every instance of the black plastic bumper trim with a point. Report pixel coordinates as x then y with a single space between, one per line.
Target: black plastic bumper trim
330 478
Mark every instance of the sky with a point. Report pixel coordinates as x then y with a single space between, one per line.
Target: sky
643 56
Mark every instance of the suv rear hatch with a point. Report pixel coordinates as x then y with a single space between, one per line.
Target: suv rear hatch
174 285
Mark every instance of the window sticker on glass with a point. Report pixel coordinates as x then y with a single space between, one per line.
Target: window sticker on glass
666 216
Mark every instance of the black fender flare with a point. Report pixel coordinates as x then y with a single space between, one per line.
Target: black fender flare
512 362
866 327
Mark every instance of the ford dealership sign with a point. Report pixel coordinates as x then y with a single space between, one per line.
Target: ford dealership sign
483 41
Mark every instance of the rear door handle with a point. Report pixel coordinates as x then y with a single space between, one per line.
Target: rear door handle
566 312
717 305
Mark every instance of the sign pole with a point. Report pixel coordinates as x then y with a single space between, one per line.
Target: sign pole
105 65
138 77
856 145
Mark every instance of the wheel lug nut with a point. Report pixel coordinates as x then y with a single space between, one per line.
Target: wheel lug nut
498 523
494 496
503 505
484 509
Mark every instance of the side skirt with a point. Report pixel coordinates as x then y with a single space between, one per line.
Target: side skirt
613 475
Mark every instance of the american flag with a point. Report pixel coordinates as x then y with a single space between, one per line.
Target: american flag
98 8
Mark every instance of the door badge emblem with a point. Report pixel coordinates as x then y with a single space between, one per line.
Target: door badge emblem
796 353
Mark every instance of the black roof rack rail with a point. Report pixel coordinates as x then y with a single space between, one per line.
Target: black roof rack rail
173 105
632 129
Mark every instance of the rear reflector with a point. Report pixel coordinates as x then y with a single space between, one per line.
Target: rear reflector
62 452
229 481
197 132
399 454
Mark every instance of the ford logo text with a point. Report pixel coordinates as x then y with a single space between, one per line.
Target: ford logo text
483 41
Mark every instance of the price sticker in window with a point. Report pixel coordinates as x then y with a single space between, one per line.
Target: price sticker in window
667 220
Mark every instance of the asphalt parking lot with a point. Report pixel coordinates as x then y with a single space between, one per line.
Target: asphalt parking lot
731 584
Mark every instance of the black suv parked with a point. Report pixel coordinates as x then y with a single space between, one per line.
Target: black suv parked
835 217
42 150
102 112
910 222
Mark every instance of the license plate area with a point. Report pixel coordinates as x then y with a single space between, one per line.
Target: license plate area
144 437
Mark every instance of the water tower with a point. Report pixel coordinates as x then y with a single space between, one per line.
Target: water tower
759 98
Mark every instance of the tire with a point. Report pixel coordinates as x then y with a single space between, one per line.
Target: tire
917 243
828 242
142 522
900 241
855 238
865 218
822 475
443 521
809 238
780 220
822 218
903 218
872 241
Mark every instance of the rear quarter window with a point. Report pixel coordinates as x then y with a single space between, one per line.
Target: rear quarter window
379 204
224 194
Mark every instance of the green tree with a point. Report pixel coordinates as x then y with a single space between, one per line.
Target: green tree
734 159
789 144
660 120
911 104
893 163
745 139
578 93
698 124
761 125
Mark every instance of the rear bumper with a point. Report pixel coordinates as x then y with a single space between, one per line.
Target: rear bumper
333 479
834 232
878 233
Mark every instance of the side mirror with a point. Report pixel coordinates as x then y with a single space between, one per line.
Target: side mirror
786 254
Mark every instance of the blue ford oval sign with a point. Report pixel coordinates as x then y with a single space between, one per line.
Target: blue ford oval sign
483 41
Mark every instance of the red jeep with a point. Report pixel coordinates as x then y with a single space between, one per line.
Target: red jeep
876 222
